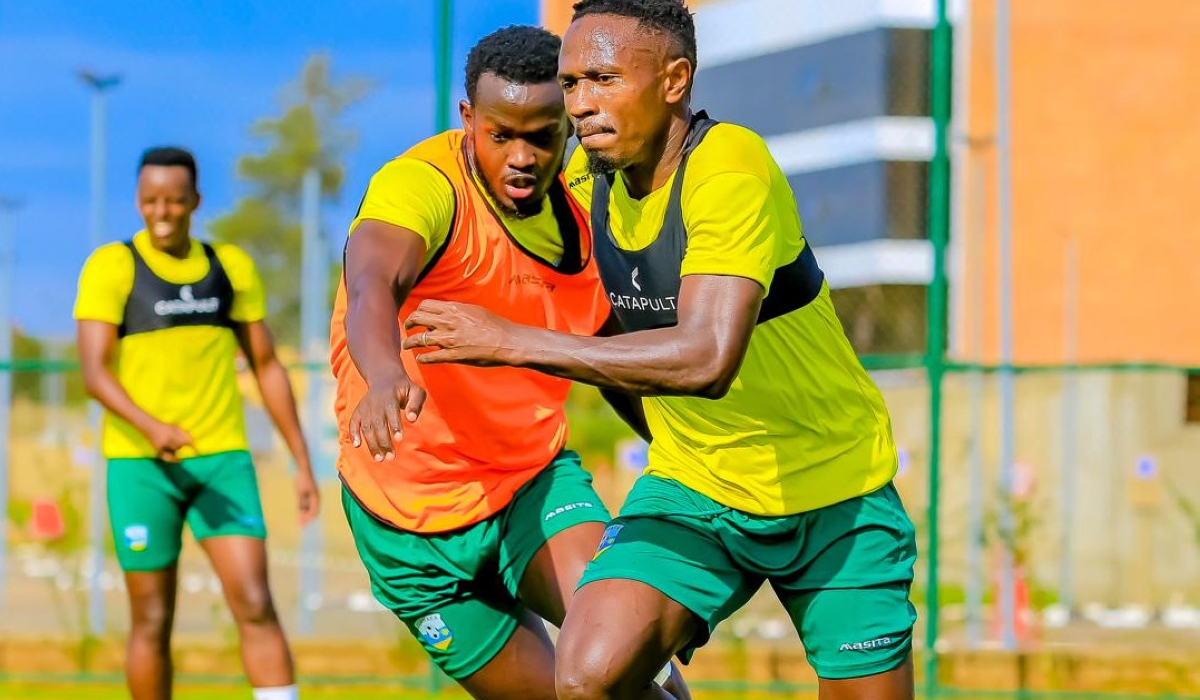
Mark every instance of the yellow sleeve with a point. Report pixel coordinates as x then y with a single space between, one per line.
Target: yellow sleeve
740 215
105 284
411 194
579 180
730 231
249 298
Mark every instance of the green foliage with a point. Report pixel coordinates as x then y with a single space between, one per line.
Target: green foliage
266 222
595 427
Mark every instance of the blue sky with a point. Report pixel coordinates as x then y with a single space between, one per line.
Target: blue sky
196 74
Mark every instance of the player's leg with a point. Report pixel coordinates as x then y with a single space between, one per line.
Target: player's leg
848 596
145 510
446 589
659 581
240 563
226 518
148 668
618 635
550 533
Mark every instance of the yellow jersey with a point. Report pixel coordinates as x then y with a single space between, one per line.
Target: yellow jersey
803 426
186 374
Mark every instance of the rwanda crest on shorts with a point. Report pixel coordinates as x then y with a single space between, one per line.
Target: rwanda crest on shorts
137 538
434 632
607 540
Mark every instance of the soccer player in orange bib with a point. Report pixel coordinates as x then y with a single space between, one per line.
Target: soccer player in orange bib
469 513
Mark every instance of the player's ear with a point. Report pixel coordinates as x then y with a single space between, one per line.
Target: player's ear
467 113
677 80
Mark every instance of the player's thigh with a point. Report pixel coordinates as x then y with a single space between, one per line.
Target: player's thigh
548 534
146 512
439 586
522 670
665 541
618 635
850 602
226 500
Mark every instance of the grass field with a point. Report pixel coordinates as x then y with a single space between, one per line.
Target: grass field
112 691
89 691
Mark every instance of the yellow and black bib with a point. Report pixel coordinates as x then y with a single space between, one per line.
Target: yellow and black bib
154 304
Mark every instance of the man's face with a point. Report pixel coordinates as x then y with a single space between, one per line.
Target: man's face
518 134
613 75
166 199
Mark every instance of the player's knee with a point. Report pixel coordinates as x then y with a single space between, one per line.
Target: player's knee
587 674
151 623
253 606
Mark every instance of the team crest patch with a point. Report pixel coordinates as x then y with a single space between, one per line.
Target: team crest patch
608 540
434 632
137 538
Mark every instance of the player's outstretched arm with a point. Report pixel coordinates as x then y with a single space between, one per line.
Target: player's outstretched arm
276 388
700 356
382 265
97 353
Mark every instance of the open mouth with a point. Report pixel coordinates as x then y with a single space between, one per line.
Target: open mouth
519 188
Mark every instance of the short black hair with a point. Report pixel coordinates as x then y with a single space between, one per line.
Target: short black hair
170 156
520 54
671 17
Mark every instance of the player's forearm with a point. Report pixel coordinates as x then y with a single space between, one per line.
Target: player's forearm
103 386
280 402
373 333
663 362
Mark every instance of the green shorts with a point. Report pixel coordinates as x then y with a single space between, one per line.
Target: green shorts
149 500
457 591
843 572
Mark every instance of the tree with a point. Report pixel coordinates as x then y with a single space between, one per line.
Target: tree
266 223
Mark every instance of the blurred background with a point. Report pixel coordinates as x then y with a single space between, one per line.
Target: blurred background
1001 195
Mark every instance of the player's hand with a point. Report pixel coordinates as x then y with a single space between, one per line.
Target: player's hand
461 333
376 420
308 497
167 440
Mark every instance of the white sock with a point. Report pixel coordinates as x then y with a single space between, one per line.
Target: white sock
662 676
284 692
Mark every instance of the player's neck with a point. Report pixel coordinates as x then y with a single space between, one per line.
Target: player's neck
176 249
661 161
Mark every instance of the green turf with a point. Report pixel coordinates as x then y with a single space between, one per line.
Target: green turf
89 691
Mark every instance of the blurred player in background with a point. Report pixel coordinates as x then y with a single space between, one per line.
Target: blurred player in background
473 520
772 454
160 319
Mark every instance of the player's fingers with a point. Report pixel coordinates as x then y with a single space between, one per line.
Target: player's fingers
355 428
374 445
383 439
308 507
414 404
418 318
167 454
392 413
438 357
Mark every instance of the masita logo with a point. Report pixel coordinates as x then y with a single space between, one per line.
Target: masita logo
186 304
868 645
434 632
